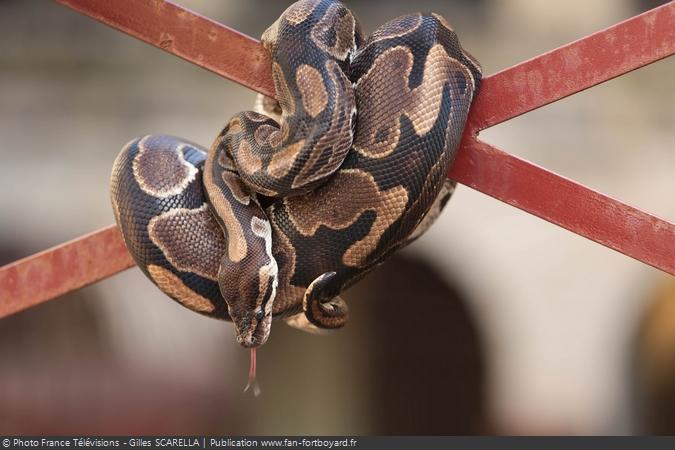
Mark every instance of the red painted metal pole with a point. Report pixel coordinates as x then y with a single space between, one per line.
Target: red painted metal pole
574 67
188 35
565 203
569 69
62 269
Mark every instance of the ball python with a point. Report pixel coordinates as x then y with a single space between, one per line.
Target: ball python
300 199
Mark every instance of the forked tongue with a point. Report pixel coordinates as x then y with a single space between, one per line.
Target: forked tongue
252 382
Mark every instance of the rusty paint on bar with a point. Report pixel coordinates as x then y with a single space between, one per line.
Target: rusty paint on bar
186 34
569 69
566 203
574 67
59 270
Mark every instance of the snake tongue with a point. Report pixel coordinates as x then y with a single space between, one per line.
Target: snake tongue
252 382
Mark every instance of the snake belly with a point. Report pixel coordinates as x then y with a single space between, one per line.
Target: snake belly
278 218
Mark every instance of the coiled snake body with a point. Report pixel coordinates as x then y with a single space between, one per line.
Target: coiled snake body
286 211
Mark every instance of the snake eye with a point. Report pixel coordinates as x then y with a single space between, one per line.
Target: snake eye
260 314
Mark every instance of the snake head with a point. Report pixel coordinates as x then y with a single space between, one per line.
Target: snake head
252 327
250 296
249 285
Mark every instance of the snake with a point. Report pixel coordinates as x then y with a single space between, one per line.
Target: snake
298 200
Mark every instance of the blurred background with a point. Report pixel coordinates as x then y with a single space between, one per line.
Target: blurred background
493 322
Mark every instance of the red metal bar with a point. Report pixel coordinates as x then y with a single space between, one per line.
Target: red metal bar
186 34
62 269
599 57
565 203
576 66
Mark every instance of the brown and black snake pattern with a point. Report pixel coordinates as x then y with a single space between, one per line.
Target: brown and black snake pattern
287 210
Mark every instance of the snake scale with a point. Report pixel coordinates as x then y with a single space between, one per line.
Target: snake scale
296 202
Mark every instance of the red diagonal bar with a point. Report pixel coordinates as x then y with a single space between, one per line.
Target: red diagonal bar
604 55
186 34
570 205
572 68
62 269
